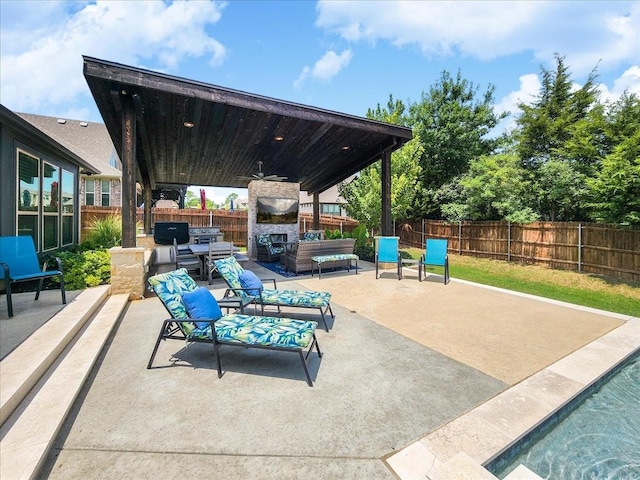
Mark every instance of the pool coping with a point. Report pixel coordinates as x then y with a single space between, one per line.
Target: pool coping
462 447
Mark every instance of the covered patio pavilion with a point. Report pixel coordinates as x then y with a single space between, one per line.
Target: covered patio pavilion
172 132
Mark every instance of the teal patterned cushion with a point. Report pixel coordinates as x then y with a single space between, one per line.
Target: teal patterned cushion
273 249
230 270
295 298
265 331
170 286
335 258
310 236
263 239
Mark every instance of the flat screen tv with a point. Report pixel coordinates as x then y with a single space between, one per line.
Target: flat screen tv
277 210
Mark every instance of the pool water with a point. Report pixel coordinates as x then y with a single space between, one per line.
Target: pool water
596 438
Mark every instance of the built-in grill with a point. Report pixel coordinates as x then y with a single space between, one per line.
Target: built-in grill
165 232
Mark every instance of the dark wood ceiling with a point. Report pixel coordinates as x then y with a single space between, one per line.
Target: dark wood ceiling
232 131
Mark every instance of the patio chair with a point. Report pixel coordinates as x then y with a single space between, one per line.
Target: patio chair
388 251
183 257
245 283
217 250
196 318
266 250
435 255
19 263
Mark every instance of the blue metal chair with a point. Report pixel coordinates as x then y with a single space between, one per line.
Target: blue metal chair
19 263
435 255
389 252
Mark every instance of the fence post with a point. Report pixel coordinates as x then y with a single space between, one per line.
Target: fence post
422 234
579 247
210 218
459 237
509 244
340 227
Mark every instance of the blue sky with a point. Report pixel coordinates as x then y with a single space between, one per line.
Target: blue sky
343 56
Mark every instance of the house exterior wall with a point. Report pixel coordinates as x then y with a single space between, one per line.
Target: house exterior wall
46 216
331 203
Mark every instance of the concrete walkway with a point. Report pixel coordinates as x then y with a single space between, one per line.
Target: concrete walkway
401 360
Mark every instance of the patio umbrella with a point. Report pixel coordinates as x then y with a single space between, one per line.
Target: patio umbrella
203 199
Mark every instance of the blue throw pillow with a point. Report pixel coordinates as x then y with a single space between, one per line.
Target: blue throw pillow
249 280
201 304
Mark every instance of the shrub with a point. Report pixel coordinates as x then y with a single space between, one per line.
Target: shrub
84 268
106 232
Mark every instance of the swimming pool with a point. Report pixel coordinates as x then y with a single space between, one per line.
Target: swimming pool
595 437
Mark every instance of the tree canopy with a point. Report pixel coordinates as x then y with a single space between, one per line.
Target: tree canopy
570 157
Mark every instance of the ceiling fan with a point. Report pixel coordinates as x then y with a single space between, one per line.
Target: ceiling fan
261 176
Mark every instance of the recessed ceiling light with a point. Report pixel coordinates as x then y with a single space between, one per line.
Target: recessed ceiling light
345 147
278 138
189 124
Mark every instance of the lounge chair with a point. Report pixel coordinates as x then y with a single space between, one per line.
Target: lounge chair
19 263
435 254
388 251
266 249
196 317
245 283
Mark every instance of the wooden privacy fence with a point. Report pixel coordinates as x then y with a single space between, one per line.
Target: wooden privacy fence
585 247
232 224
608 250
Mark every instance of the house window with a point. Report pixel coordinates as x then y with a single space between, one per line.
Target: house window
330 209
105 187
67 205
89 192
113 159
28 196
46 202
50 206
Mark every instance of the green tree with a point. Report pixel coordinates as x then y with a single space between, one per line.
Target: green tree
364 193
191 200
560 189
561 142
452 122
227 202
495 187
616 188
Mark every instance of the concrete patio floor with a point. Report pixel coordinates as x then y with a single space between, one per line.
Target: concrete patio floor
402 360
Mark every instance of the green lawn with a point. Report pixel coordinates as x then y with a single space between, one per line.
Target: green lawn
577 288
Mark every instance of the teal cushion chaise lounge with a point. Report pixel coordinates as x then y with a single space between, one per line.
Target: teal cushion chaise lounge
196 318
234 276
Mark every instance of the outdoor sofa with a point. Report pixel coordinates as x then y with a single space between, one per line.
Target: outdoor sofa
299 259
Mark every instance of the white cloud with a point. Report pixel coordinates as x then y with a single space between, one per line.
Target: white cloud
46 74
585 32
530 87
629 81
326 68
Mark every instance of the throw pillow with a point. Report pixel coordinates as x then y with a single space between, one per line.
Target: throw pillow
201 304
249 280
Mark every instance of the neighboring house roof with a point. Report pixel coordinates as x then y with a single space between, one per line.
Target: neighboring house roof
89 140
15 121
331 195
